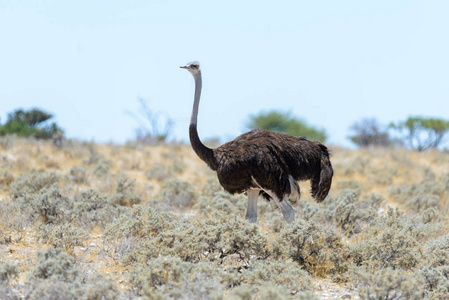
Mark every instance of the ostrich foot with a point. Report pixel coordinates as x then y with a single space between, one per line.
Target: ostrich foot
251 217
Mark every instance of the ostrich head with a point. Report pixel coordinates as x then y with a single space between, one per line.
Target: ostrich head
193 67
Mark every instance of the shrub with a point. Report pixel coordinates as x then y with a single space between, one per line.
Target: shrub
12 223
64 236
159 172
5 179
368 132
99 287
93 157
140 221
6 142
434 282
30 123
170 277
389 242
8 271
32 183
55 289
78 175
49 204
212 186
124 192
173 158
132 226
350 213
243 239
349 184
176 194
387 283
53 262
221 202
55 276
274 293
282 273
437 252
102 168
89 200
318 251
92 208
419 196
232 243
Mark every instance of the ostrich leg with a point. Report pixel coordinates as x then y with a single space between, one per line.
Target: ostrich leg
284 206
251 212
286 209
294 187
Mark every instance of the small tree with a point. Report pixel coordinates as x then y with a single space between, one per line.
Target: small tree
154 126
422 133
368 132
284 122
30 123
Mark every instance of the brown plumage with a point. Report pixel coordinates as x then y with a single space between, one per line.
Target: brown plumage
264 162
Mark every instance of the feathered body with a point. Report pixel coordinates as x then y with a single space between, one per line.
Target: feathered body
264 162
268 159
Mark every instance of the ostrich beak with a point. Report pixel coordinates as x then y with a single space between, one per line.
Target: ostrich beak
184 67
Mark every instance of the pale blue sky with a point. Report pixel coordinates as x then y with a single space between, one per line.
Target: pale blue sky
330 62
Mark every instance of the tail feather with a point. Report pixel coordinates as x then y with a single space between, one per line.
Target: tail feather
321 183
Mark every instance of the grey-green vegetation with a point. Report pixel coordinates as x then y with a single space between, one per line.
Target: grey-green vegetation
73 232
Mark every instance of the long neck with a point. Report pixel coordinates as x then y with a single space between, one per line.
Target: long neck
206 154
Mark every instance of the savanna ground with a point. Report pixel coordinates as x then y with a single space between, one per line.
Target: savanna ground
91 221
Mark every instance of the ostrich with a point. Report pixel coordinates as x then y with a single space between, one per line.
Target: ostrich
262 162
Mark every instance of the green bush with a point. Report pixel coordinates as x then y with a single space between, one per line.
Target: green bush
30 123
284 122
